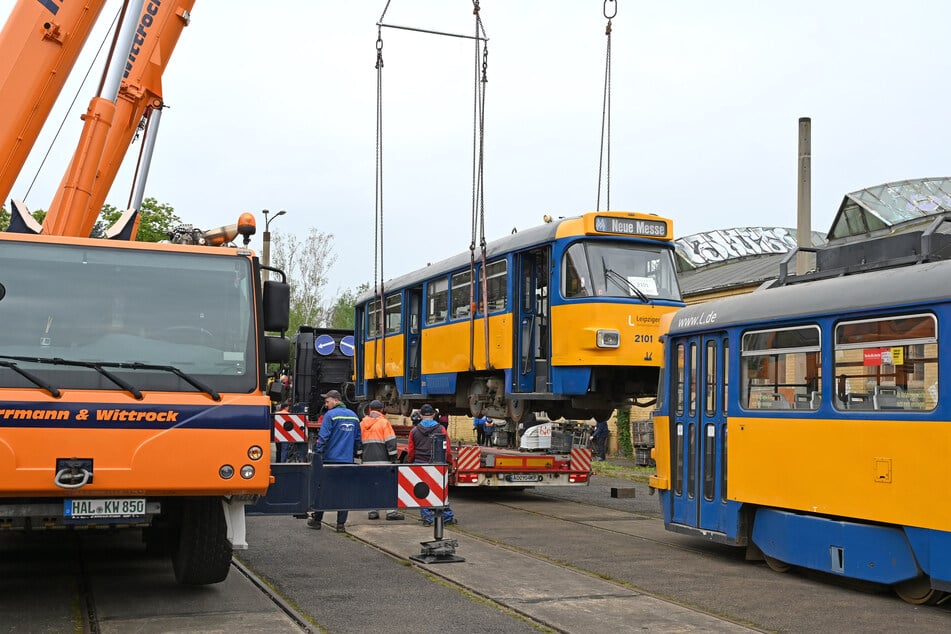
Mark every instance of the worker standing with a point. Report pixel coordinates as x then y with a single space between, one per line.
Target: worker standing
338 442
379 446
420 450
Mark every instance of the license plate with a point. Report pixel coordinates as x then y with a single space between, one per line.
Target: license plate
524 477
91 508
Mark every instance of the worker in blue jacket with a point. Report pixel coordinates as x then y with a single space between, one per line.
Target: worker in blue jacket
338 442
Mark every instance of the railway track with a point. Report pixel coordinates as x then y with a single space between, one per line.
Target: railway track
106 582
549 560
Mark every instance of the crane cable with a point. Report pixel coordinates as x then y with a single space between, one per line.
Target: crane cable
604 157
478 191
378 205
478 205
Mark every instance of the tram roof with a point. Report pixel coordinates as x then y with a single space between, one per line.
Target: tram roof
516 241
916 284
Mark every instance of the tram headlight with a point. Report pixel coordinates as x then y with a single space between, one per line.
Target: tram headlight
609 339
226 472
255 453
247 472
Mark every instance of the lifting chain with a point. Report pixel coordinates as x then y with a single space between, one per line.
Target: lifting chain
378 202
604 156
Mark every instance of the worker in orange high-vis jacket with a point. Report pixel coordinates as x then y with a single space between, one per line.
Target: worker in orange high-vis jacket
379 446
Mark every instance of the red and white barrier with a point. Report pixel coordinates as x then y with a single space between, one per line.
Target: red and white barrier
422 485
290 428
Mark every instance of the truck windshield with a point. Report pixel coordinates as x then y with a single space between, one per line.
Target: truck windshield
126 309
598 268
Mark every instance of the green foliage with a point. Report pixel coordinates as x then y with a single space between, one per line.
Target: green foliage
307 264
343 311
155 220
625 446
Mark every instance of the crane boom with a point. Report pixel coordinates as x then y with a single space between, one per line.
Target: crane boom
103 146
39 45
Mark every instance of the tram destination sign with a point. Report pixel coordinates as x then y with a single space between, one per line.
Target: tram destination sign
631 226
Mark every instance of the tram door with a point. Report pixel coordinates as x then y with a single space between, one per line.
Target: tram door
698 434
414 308
533 353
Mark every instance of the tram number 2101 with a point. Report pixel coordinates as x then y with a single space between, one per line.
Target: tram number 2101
643 338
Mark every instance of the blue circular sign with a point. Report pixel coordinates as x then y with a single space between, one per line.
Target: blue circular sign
346 345
324 345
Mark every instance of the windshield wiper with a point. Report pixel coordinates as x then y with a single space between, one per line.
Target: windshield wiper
625 284
195 383
125 385
32 378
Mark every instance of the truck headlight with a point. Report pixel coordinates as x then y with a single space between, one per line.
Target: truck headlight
609 339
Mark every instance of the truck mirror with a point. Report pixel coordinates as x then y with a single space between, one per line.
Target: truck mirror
277 349
277 306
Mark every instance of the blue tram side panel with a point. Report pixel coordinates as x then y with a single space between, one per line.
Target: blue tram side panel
564 317
807 423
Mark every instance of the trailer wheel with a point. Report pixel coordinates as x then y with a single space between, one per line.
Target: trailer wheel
203 553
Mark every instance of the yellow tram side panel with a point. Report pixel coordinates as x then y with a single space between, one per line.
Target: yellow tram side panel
377 353
883 471
661 453
446 347
129 460
574 331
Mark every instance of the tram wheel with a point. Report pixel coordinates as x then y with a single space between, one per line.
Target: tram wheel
517 409
776 565
918 591
406 407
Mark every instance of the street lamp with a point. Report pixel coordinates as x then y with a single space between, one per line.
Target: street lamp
267 238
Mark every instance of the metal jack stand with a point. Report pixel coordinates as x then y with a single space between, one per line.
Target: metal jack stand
440 550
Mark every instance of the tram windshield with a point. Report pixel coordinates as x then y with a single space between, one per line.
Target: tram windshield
597 268
110 308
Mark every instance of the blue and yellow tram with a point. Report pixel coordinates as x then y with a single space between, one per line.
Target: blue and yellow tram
564 317
811 423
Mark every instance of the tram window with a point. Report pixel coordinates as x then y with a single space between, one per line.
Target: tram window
888 363
678 470
437 304
709 462
496 279
680 379
710 402
781 368
575 274
691 460
725 372
393 314
692 392
373 319
461 295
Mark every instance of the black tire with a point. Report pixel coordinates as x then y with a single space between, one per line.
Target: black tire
203 553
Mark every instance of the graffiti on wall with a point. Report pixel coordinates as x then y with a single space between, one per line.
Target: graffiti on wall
709 247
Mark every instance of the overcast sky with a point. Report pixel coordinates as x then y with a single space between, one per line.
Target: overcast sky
272 105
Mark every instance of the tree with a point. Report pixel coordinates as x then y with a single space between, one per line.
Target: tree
307 265
342 312
155 220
